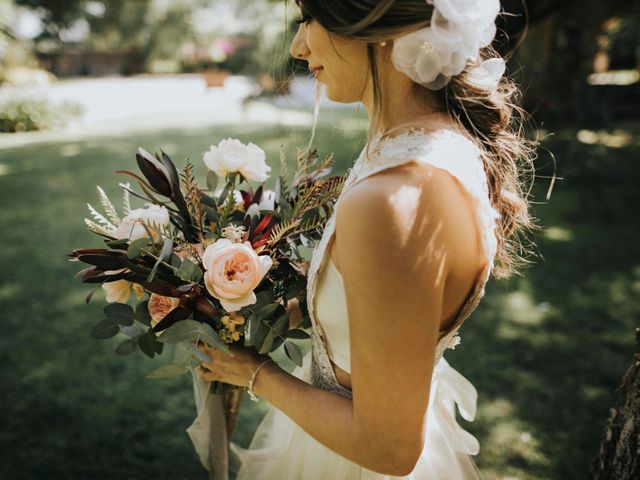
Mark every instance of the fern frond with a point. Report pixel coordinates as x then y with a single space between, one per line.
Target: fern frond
108 207
126 202
327 163
320 192
94 227
193 196
282 229
100 218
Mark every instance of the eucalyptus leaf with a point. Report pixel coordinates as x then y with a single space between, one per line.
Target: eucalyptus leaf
118 244
298 334
267 343
167 371
260 334
277 341
212 180
164 254
282 323
119 313
267 310
189 271
145 342
211 213
200 354
105 329
141 313
135 247
174 260
262 298
208 201
127 347
132 331
190 330
293 352
181 354
157 346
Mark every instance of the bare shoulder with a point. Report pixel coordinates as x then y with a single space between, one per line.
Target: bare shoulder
407 207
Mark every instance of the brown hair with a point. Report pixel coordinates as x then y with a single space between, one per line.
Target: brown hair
493 120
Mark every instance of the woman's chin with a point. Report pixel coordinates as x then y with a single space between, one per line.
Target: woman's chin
339 97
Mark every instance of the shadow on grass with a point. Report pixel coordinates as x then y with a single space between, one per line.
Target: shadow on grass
547 350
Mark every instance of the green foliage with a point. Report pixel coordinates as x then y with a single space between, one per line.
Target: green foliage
191 330
23 114
141 313
189 271
127 347
119 313
105 329
135 248
293 352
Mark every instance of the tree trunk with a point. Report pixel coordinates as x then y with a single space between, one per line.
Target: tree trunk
619 455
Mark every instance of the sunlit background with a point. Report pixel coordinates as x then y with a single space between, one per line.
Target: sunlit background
84 83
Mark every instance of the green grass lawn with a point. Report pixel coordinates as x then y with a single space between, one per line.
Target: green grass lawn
545 351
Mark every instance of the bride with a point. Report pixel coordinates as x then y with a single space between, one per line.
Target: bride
428 213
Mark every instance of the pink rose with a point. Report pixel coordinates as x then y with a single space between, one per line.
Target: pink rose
233 271
159 307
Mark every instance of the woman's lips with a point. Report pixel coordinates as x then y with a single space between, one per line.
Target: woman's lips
317 71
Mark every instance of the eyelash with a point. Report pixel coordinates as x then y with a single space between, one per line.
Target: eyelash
304 19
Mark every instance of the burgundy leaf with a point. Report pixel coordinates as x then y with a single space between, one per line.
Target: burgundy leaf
155 172
263 224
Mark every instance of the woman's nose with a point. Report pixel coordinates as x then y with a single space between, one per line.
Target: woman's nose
299 48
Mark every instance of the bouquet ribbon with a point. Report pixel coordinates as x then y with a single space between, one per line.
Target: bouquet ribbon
208 432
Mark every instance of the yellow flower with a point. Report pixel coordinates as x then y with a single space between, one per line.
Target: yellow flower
120 290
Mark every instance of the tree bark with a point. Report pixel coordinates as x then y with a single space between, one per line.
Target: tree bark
619 455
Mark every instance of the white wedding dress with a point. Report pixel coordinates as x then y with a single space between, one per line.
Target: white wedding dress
280 449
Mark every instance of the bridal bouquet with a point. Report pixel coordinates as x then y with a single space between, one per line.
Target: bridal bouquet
216 265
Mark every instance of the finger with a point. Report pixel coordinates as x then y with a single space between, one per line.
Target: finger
205 374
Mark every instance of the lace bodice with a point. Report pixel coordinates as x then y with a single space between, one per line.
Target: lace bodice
445 149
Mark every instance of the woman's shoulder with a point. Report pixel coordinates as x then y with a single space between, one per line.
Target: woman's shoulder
408 204
428 154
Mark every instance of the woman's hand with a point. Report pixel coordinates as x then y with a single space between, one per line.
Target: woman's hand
295 313
235 368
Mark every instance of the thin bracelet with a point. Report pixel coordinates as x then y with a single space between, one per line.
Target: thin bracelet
250 388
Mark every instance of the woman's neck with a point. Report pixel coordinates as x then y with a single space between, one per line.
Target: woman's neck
403 105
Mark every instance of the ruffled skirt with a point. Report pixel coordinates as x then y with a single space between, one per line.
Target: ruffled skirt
281 450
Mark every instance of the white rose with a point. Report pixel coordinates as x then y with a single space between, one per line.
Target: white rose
268 200
231 155
132 228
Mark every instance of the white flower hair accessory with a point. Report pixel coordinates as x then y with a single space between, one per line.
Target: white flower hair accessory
458 30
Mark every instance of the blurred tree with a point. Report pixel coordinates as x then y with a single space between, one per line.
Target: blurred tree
570 42
6 19
57 15
618 457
